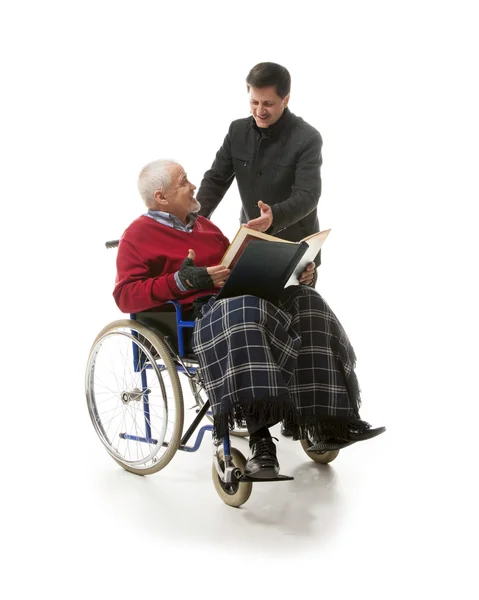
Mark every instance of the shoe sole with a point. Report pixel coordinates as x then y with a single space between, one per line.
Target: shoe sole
368 435
330 446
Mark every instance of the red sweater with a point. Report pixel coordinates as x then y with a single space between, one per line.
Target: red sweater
149 254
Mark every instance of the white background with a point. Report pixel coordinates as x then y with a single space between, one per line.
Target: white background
91 91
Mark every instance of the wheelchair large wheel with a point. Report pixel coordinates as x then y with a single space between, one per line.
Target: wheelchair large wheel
134 396
232 494
200 395
319 457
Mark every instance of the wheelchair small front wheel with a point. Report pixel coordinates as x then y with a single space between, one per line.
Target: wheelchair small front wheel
319 457
232 494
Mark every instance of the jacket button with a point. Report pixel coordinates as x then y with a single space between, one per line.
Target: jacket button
259 173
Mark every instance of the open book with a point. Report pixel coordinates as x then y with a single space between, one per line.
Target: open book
263 265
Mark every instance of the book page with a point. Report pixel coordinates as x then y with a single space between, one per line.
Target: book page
314 242
322 234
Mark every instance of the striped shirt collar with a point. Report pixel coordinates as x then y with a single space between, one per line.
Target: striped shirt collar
171 221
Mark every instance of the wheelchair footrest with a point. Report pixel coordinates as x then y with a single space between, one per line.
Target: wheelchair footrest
244 478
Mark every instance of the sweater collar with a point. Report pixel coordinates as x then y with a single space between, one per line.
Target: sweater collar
171 220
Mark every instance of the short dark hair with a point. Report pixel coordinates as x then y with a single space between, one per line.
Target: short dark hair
267 73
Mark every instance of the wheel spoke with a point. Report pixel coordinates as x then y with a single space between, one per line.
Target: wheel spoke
130 394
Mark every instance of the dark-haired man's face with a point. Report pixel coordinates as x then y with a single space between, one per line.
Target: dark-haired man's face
266 106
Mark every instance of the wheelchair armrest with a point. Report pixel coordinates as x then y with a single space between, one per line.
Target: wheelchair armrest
170 322
180 324
179 315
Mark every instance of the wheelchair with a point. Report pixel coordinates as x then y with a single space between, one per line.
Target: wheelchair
135 400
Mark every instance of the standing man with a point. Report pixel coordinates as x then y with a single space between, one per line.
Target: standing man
276 159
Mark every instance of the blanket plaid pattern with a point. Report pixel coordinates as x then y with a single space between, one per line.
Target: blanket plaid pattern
293 361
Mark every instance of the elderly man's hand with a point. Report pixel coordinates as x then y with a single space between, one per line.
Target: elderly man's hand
218 274
307 275
201 278
263 222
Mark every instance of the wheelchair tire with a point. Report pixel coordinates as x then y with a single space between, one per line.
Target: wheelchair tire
200 396
136 406
319 457
234 494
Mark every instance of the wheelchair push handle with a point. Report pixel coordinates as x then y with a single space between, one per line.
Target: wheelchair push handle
112 244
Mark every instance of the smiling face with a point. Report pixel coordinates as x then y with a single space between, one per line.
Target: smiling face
179 199
266 106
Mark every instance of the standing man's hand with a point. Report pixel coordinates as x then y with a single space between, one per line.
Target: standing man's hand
263 222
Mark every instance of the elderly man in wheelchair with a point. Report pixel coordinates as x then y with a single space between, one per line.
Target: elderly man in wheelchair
250 364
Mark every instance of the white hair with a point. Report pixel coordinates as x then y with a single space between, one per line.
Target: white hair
154 176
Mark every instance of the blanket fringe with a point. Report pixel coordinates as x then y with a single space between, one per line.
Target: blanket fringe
266 410
315 428
273 410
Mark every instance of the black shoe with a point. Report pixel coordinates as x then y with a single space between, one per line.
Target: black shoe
357 432
363 431
262 462
286 429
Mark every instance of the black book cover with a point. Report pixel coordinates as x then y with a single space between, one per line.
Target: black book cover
263 269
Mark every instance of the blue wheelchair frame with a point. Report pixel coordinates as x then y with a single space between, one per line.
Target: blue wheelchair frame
181 325
229 465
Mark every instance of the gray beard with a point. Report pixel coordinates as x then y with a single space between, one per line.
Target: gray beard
197 207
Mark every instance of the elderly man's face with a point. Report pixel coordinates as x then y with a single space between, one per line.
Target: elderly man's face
266 106
180 195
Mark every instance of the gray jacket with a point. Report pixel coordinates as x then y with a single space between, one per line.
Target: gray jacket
279 165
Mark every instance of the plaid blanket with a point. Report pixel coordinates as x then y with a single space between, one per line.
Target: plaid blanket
293 361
